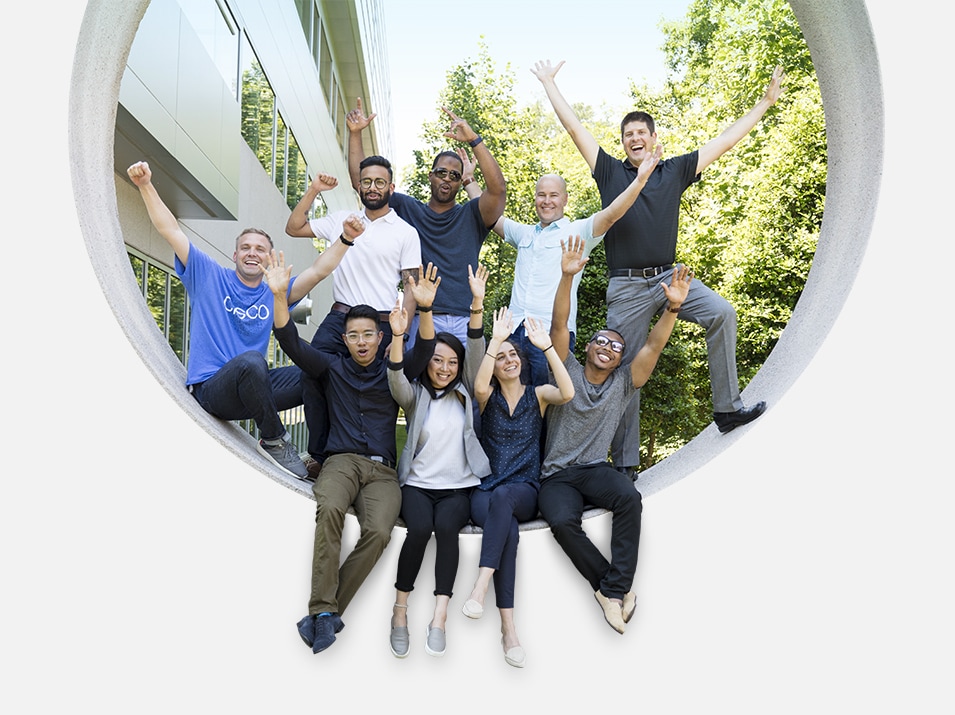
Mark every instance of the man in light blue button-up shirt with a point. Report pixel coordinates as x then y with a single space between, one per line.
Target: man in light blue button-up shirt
537 268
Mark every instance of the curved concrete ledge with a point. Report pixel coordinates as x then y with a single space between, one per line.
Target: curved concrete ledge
843 52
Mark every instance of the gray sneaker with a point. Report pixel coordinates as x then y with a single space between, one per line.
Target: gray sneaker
436 642
283 453
400 641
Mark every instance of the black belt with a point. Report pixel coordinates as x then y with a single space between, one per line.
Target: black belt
344 308
639 272
381 460
373 457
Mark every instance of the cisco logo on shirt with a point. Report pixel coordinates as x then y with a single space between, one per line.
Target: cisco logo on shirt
258 312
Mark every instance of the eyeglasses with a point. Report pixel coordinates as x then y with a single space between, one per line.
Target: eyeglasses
365 336
603 341
379 183
445 173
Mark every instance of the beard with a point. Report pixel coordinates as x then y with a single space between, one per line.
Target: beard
374 204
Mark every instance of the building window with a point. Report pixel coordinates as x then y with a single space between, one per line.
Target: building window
258 109
166 298
213 23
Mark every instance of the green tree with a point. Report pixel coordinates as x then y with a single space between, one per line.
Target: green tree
748 228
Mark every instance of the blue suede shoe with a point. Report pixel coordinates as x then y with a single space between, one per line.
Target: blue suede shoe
325 629
308 627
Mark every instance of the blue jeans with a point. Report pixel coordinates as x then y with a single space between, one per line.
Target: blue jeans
562 499
457 325
499 512
245 388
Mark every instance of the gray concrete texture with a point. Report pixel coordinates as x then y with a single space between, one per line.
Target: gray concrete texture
844 55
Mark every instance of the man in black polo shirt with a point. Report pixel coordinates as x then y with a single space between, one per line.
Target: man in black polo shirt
359 471
641 250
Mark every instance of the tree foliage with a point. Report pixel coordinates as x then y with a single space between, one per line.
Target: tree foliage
748 228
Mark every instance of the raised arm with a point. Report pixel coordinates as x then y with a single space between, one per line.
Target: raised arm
731 136
277 276
584 140
501 330
357 122
473 189
424 290
563 390
398 320
477 281
495 188
646 359
328 259
159 213
572 262
297 224
605 218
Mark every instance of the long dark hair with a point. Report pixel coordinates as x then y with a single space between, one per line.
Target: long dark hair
452 342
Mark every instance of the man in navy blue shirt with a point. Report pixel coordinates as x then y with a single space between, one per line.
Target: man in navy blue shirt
359 471
451 233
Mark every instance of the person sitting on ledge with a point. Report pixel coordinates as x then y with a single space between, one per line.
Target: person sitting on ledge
442 460
575 470
360 469
231 322
512 414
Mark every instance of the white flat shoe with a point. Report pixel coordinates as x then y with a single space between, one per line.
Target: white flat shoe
515 656
472 609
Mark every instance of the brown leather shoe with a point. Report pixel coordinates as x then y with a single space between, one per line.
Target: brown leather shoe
313 467
612 612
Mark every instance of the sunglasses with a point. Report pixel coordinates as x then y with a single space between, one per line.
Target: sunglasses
603 341
445 173
379 183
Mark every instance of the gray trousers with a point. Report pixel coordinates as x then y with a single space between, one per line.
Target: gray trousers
631 304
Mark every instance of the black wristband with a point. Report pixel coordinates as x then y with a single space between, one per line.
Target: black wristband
477 140
403 336
425 308
345 240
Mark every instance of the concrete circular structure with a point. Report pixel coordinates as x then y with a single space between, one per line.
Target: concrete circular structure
843 51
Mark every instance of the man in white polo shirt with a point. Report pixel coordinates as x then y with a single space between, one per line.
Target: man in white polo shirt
388 254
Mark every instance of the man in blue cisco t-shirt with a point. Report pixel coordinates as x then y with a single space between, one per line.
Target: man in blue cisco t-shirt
231 323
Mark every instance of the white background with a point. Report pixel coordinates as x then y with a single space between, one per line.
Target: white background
807 568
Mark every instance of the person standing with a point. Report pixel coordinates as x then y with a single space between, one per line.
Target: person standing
387 255
641 249
451 233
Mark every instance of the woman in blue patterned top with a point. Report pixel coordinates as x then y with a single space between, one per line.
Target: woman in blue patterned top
512 414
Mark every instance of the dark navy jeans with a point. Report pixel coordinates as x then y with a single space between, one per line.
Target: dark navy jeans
245 388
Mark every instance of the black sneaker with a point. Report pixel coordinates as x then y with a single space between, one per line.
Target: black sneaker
283 453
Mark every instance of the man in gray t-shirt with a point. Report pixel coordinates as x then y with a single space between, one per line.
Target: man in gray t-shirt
575 470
